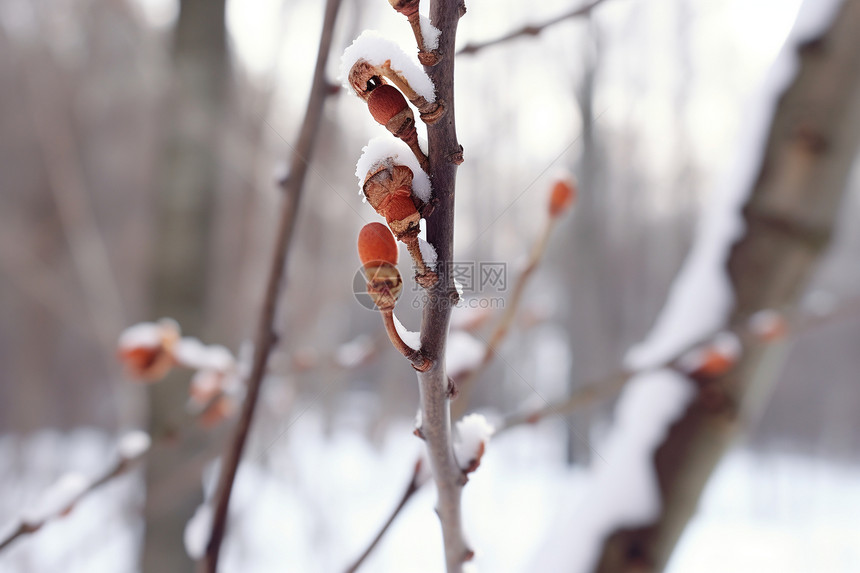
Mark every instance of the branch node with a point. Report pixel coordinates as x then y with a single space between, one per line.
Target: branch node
456 157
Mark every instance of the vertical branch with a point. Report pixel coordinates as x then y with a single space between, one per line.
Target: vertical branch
445 155
266 337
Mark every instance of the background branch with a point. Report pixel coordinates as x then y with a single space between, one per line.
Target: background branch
530 29
416 481
266 338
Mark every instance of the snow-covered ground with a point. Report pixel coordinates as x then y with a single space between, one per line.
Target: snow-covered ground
312 502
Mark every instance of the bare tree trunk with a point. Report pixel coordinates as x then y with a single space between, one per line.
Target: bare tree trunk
187 180
811 146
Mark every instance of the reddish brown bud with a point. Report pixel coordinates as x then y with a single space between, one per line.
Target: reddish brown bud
146 349
386 103
561 198
375 244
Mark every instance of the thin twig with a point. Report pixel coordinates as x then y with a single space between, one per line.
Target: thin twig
503 327
418 360
266 337
415 483
530 29
26 527
445 155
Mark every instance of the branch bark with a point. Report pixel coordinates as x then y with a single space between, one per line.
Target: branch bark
811 147
445 155
266 337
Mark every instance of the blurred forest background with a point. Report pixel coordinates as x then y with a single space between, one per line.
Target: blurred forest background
140 145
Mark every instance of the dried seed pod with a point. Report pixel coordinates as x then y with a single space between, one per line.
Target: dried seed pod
384 284
409 8
389 108
365 78
562 197
389 192
375 244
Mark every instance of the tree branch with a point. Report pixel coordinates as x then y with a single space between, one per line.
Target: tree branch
266 337
503 327
26 527
445 155
530 29
414 485
811 146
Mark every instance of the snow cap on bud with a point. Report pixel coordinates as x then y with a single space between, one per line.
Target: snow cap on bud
376 244
473 434
713 359
562 196
767 325
146 349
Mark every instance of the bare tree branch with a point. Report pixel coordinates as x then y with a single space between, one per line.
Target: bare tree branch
415 483
445 156
26 527
530 29
503 326
266 337
811 147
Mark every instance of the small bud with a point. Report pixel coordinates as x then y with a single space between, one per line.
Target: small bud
365 78
146 349
389 108
562 197
376 244
713 359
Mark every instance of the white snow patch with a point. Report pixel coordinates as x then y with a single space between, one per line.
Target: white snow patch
765 323
412 339
57 498
192 353
376 49
390 151
472 431
431 34
197 531
621 487
702 289
141 335
428 253
134 444
464 353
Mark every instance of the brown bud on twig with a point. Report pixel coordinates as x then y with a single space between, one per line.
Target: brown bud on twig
146 349
378 253
409 8
389 108
562 197
389 192
365 78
